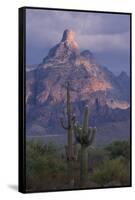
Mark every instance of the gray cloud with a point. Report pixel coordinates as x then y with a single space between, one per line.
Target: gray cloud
98 32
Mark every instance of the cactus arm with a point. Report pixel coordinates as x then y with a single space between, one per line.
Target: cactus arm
73 119
63 125
77 132
89 132
92 135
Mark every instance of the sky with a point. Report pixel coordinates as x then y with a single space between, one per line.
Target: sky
107 36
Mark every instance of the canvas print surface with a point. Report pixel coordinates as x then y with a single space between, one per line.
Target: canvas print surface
77 100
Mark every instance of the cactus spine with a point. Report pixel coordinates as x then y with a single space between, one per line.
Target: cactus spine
85 136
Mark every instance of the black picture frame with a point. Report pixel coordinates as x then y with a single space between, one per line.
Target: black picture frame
22 94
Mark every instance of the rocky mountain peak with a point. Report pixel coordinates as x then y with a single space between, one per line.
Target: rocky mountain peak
68 35
123 75
68 38
63 52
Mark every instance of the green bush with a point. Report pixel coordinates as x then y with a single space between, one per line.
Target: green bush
112 173
96 157
46 168
43 165
119 148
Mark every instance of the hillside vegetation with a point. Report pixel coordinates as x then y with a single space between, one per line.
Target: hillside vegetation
46 166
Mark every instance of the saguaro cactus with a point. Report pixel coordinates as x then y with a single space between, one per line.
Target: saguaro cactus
85 136
69 127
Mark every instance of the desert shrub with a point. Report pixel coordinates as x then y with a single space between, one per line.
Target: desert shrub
112 173
39 147
96 157
119 148
46 168
43 165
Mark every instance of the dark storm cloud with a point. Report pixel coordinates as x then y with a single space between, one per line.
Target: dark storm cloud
103 34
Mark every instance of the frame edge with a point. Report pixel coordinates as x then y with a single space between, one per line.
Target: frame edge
21 98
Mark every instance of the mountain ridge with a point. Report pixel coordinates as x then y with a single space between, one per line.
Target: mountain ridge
89 81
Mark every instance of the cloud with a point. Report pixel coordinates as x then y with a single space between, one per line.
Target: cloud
104 34
105 42
99 31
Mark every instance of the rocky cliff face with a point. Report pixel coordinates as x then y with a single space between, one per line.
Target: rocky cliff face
90 83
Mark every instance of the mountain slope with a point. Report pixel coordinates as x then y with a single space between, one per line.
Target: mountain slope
107 95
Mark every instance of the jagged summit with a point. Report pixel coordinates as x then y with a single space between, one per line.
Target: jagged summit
68 35
67 53
63 52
